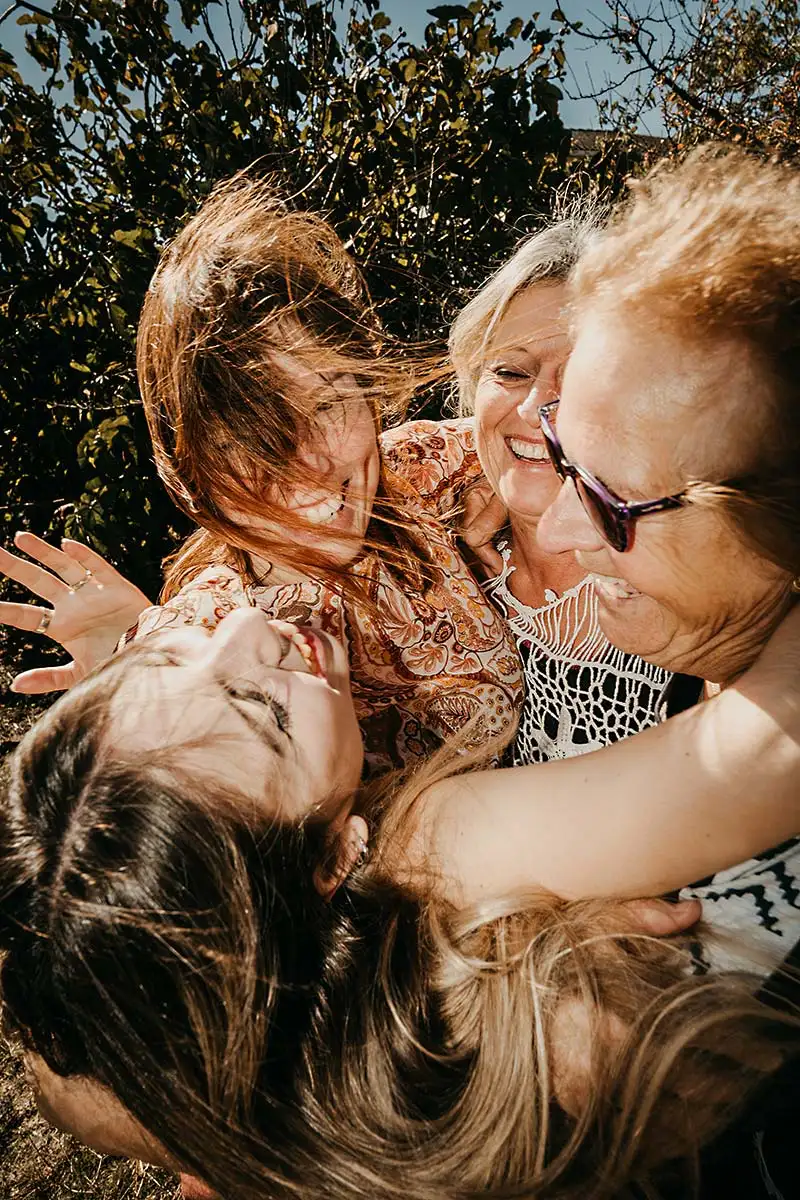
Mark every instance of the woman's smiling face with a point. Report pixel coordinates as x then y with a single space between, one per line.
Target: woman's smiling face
334 477
522 369
261 704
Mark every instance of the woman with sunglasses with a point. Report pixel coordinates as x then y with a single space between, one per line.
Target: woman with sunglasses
676 438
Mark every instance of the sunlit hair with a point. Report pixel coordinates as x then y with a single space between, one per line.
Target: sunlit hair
163 937
545 257
248 284
708 249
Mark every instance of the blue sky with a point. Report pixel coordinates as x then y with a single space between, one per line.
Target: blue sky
589 65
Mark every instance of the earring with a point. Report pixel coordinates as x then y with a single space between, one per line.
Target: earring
796 584
362 856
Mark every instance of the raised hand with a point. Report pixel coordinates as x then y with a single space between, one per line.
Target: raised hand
89 606
484 516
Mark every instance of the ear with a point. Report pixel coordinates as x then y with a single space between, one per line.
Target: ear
348 847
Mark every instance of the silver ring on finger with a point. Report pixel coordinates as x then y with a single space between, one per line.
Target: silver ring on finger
44 621
76 587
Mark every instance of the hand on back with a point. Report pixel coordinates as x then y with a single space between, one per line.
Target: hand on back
89 606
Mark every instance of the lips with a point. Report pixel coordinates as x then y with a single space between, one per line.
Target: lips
526 451
308 644
313 650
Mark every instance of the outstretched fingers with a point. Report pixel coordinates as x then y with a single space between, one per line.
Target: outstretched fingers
90 560
47 679
35 579
61 564
30 618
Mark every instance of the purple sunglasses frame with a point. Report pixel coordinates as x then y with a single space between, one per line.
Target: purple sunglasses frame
614 519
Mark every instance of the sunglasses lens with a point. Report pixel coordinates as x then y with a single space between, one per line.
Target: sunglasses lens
603 516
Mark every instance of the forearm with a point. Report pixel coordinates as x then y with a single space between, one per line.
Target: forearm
702 792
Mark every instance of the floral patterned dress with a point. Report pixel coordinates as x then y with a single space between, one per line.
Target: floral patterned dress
425 661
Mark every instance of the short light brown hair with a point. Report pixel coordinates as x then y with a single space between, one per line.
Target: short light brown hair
709 249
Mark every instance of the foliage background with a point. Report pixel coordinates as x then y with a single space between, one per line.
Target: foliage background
431 156
425 157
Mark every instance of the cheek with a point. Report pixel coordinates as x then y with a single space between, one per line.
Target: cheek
492 405
355 442
693 566
87 1111
491 408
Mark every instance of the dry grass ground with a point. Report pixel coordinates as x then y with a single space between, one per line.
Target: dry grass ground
36 1161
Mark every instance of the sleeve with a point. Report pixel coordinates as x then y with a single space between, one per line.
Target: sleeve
304 603
438 459
204 601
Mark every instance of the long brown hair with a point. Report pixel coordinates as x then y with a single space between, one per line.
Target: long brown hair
708 248
163 937
247 283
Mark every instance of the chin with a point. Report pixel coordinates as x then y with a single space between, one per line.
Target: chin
531 495
631 625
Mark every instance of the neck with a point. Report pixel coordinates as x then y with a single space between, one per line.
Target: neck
735 653
272 573
537 571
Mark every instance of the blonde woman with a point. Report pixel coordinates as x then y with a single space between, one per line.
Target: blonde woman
509 347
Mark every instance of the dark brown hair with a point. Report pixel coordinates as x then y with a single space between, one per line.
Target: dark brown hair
708 248
163 936
246 281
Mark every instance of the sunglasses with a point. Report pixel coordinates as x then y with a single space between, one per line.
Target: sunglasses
613 519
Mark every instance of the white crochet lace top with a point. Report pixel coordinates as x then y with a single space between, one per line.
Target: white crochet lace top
580 691
581 694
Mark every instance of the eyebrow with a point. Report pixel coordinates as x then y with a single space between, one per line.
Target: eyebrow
541 347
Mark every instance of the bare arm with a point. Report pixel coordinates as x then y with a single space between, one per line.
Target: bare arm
706 790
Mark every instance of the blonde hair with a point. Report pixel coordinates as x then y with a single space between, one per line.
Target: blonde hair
545 257
708 249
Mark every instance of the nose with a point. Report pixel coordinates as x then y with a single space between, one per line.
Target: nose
566 525
544 391
314 453
529 409
244 638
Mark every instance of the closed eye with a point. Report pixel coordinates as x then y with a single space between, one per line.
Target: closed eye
247 693
511 374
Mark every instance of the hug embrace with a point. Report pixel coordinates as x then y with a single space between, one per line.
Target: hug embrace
341 872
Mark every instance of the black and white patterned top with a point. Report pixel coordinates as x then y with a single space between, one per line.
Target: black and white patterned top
752 910
581 693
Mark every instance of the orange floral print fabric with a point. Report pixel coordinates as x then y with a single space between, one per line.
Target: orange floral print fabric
427 660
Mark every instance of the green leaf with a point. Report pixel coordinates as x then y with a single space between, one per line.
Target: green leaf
128 237
451 12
